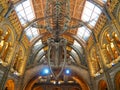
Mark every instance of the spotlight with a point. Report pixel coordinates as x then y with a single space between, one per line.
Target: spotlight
59 82
54 82
67 71
45 71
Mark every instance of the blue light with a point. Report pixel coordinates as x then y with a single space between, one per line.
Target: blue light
67 71
45 71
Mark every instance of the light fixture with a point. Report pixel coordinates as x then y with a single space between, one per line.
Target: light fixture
59 82
45 71
54 82
67 71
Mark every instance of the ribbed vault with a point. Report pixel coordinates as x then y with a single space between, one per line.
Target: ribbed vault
71 20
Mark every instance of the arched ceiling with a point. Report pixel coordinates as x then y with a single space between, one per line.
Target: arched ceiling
73 20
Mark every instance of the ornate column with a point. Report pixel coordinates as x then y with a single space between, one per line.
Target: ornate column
106 74
21 79
91 77
101 59
6 73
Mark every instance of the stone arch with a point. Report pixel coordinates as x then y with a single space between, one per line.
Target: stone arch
79 60
102 85
83 81
10 85
117 81
109 45
34 80
30 84
102 34
83 44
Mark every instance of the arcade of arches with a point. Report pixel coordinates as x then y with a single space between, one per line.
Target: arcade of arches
85 48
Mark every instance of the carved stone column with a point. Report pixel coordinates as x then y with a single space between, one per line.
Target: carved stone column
91 77
105 72
6 72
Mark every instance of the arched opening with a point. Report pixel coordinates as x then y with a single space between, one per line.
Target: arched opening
102 85
117 81
9 85
30 84
35 84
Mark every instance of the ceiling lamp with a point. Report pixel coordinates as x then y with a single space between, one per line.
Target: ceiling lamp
45 71
67 71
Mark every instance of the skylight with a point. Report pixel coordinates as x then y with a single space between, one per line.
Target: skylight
90 13
26 14
84 33
90 16
31 33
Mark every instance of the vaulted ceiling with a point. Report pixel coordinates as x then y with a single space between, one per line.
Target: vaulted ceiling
82 17
71 20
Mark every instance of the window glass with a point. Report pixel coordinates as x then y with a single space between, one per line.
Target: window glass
90 16
26 14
